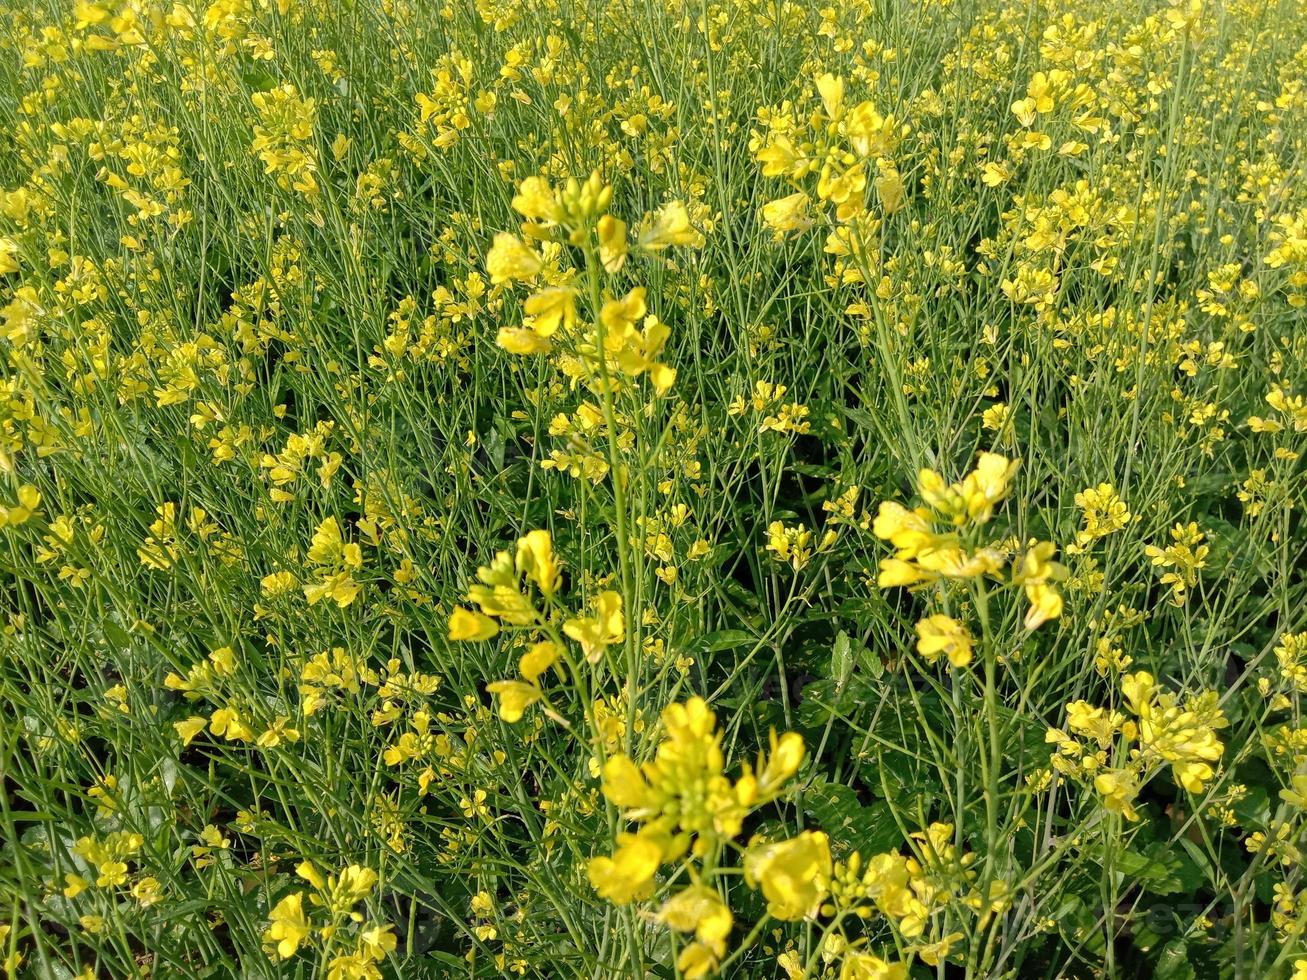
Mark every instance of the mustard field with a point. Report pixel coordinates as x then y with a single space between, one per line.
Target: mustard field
744 488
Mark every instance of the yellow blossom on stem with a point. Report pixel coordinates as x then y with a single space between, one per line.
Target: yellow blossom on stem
288 927
944 635
794 874
598 632
514 698
464 624
699 909
628 874
510 259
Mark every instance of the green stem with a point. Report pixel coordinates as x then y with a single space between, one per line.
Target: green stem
632 618
619 494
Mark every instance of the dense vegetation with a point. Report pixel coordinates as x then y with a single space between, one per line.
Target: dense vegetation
750 488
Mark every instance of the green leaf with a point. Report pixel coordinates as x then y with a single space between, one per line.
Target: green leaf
258 80
1160 869
717 641
868 829
841 660
1173 962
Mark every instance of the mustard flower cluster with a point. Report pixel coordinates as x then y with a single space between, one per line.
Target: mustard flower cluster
1118 751
941 541
349 944
518 590
626 338
688 811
